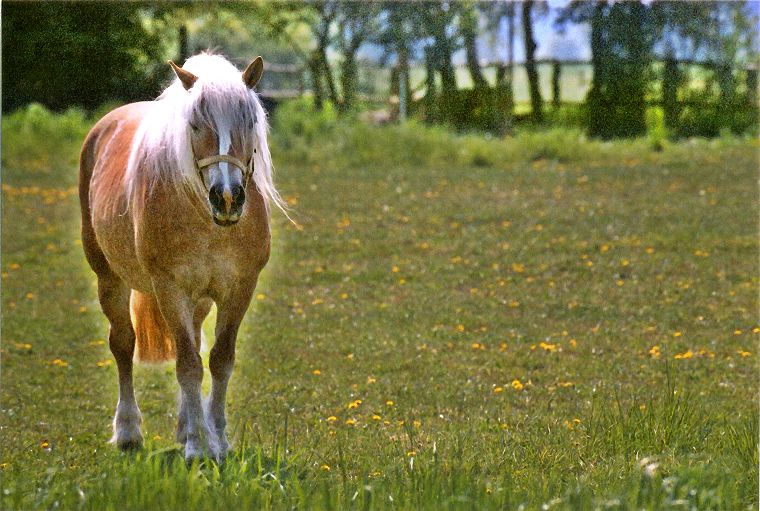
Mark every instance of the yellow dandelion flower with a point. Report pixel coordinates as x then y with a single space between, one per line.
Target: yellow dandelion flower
331 419
325 467
416 423
518 267
389 403
460 328
496 390
105 363
23 345
350 422
685 354
316 372
354 404
649 250
394 269
411 453
547 346
744 353
677 334
376 417
261 296
737 332
60 363
516 384
654 351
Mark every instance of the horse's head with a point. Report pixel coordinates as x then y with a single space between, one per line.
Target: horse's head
220 123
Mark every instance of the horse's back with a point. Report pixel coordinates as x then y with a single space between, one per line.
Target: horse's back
102 193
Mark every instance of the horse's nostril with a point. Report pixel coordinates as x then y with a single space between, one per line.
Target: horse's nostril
238 195
215 196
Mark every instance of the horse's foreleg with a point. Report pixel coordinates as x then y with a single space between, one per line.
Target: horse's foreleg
114 299
201 311
178 311
222 360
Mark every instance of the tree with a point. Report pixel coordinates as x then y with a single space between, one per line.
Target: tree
536 101
622 40
358 22
54 54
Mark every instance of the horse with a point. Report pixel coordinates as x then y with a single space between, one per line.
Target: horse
176 196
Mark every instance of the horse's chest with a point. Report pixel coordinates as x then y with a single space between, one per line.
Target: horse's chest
209 265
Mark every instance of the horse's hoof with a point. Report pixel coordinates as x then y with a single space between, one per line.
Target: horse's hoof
193 452
129 445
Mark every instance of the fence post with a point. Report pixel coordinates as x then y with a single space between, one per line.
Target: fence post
556 77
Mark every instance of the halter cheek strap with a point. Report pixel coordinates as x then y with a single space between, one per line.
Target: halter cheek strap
218 158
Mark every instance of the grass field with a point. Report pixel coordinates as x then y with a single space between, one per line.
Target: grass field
456 323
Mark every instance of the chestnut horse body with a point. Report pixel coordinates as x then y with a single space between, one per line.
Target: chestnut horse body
167 237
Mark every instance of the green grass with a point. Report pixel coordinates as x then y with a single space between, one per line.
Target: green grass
430 277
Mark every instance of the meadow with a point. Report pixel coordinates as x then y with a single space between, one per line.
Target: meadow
452 322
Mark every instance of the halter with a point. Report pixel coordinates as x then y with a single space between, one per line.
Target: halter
218 158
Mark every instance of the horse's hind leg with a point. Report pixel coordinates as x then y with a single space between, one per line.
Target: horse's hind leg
114 299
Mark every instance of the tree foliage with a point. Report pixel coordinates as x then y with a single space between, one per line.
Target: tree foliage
62 54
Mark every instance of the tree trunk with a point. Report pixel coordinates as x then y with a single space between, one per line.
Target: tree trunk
405 95
556 80
536 102
348 78
431 113
469 26
670 81
315 70
595 99
448 75
325 65
184 50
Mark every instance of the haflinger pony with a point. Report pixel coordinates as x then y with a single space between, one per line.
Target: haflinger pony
175 196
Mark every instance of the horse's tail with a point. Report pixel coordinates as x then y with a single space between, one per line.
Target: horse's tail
154 344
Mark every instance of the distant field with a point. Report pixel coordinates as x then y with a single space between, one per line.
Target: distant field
457 323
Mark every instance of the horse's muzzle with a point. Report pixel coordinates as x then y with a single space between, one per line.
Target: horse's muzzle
226 204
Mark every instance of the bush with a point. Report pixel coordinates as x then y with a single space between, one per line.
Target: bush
705 116
304 137
41 141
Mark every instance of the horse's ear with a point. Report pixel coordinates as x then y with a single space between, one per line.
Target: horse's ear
186 77
253 72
